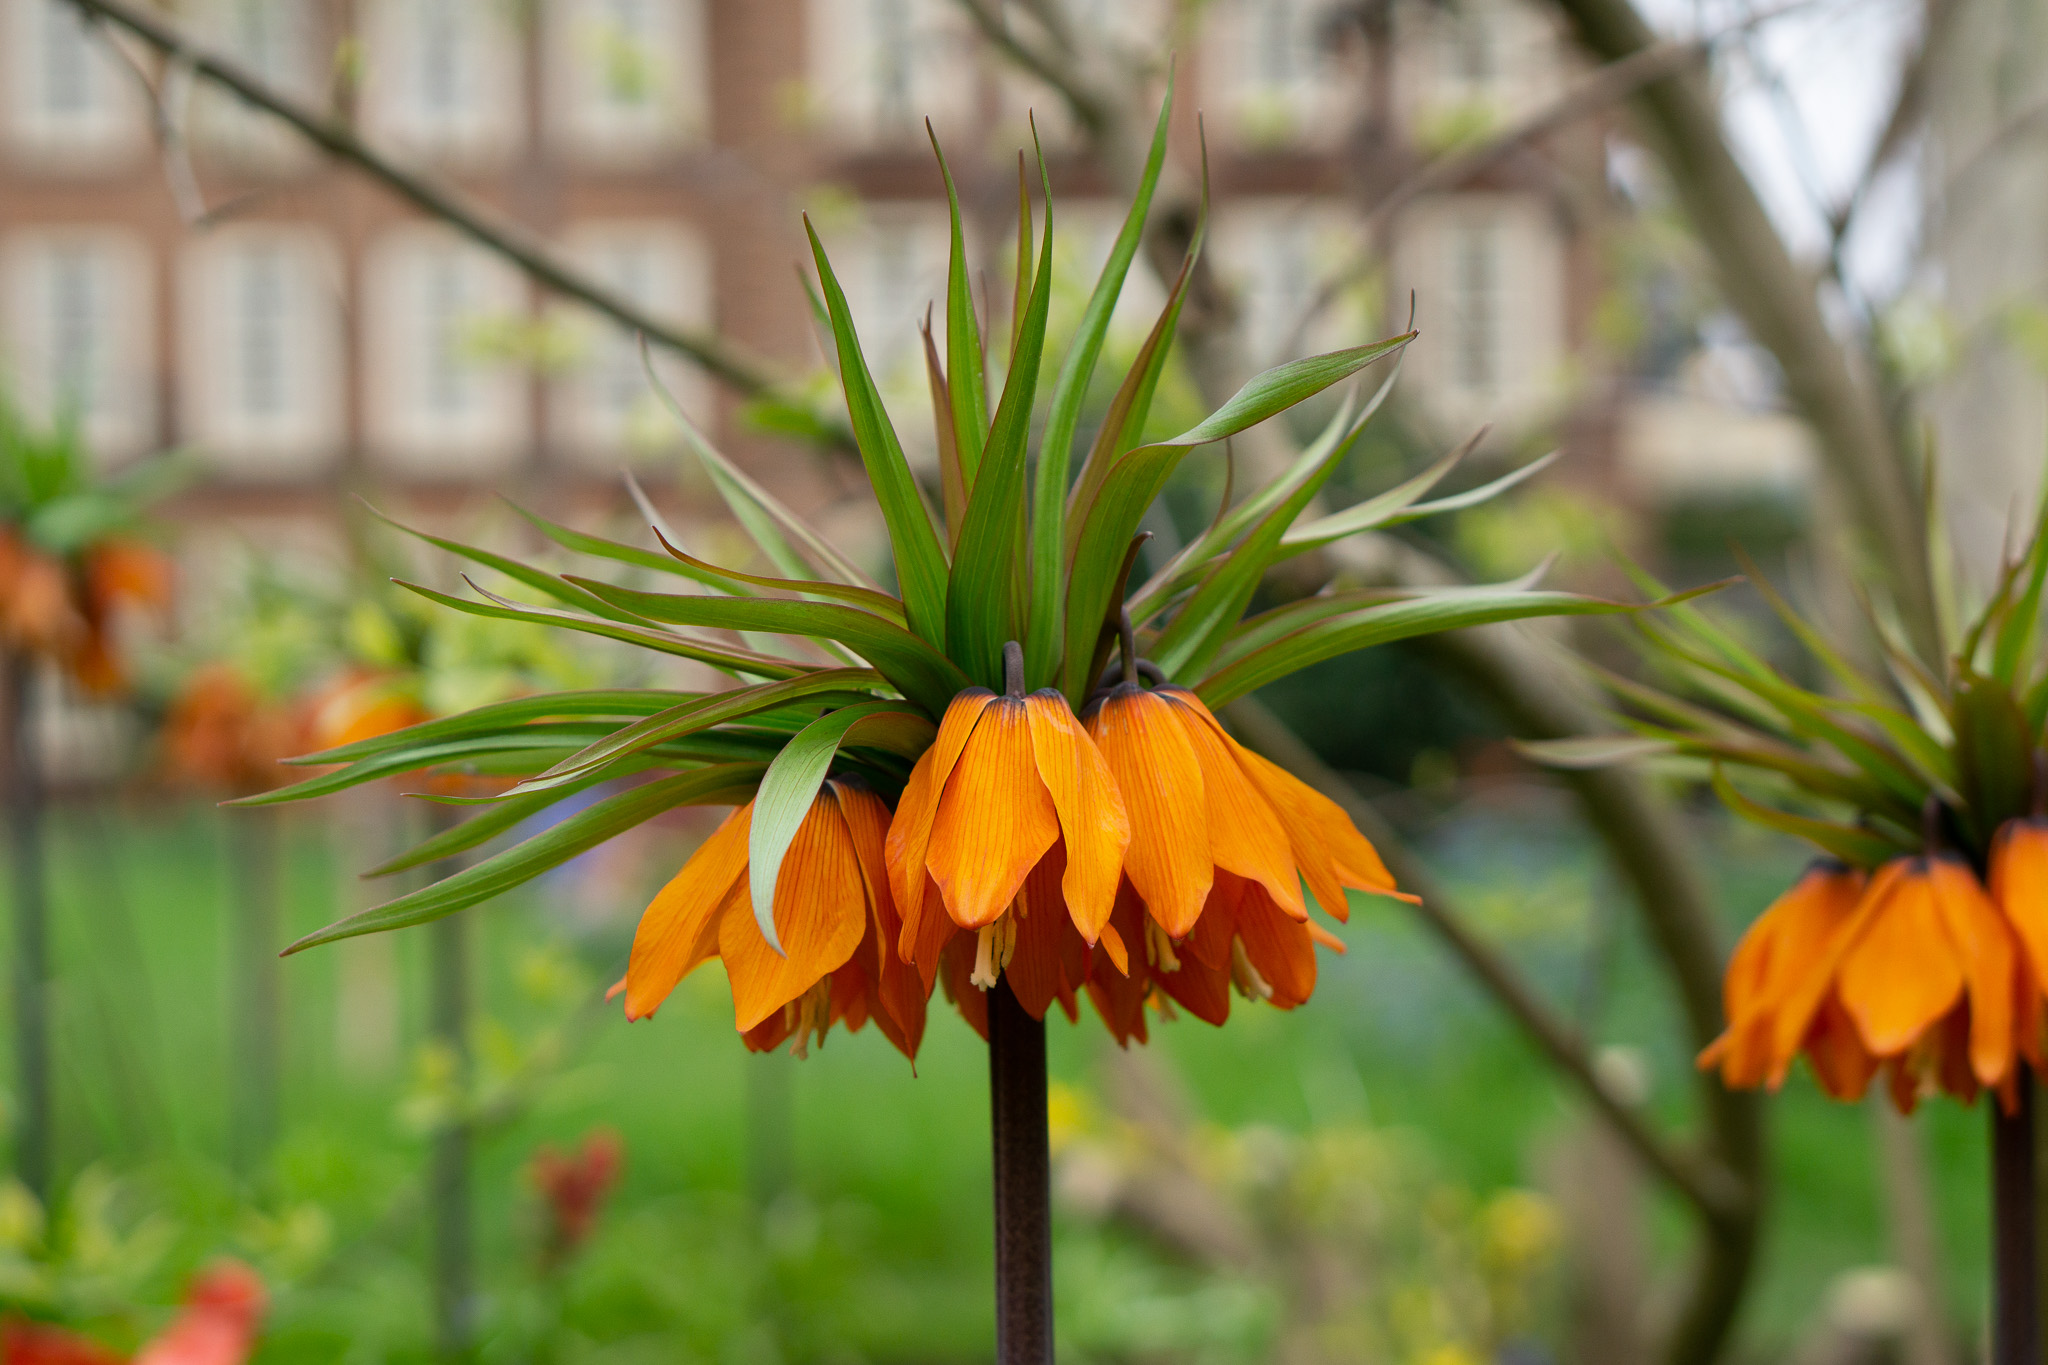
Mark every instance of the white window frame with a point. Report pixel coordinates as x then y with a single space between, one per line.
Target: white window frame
674 281
225 126
858 47
414 354
1279 253
119 415
1528 354
585 116
109 127
303 433
1313 104
488 125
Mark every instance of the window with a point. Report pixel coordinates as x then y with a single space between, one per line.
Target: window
1275 66
446 401
605 411
78 328
68 97
1488 273
276 40
443 77
262 379
1282 255
1493 58
627 78
879 68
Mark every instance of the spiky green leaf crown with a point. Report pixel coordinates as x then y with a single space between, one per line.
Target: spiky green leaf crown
838 674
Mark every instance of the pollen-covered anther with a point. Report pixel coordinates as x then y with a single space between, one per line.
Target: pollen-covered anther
1159 948
1245 976
994 945
810 1014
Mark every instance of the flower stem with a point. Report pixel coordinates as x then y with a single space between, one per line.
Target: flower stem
2015 1232
448 1171
1023 1181
23 794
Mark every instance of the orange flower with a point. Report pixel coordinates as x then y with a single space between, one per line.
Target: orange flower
833 914
220 732
364 706
1012 791
1923 974
1218 830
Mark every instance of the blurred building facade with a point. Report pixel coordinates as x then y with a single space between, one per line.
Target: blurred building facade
225 287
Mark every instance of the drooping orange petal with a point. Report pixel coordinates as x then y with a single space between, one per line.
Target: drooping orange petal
910 831
1200 989
1279 948
1118 990
820 913
1093 824
1840 1062
900 995
995 818
956 970
924 939
2019 883
1146 746
1985 947
1902 973
678 930
1245 836
1211 937
1783 948
1037 971
1805 992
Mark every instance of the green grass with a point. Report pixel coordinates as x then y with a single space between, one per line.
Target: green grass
881 1249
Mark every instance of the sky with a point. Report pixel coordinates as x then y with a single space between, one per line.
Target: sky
1806 95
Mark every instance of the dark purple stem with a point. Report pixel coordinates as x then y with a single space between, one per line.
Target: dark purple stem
2015 1233
1023 1181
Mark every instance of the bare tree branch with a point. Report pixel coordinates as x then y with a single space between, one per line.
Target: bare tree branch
1778 302
744 372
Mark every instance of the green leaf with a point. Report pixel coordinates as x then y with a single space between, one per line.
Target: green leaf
867 599
600 547
1197 630
920 560
952 477
1861 847
488 823
725 657
1994 755
980 615
500 716
543 737
586 829
1393 621
1398 506
1046 626
1136 477
702 713
2015 644
1588 752
784 799
784 537
916 669
966 368
539 579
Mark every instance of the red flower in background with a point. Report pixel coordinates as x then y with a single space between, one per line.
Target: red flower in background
574 1188
223 1310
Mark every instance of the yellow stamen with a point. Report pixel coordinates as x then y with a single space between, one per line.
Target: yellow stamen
994 945
812 1016
1159 948
1246 977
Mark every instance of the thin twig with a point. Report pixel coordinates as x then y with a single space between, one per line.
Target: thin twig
1055 69
1705 1183
748 374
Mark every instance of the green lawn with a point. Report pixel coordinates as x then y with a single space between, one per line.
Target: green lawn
879 1251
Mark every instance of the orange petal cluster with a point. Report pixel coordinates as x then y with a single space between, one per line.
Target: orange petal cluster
220 732
834 915
1915 969
66 612
1142 860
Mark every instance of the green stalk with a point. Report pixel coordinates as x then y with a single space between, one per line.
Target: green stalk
448 1171
23 793
253 838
